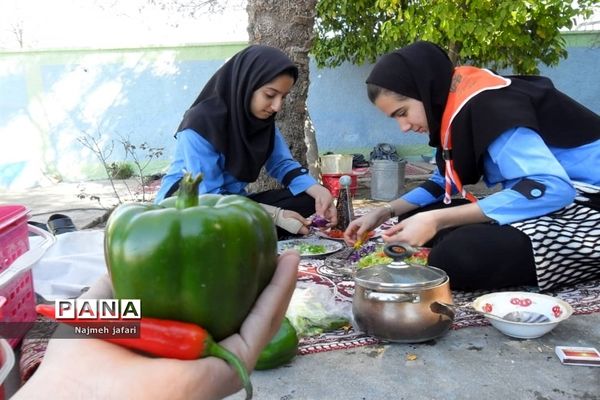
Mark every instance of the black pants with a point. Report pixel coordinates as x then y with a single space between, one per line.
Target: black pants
481 256
302 203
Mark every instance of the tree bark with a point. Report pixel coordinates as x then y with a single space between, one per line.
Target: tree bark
289 26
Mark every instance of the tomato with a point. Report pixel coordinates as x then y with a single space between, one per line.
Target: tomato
335 233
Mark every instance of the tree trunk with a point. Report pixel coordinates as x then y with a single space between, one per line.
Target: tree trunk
289 26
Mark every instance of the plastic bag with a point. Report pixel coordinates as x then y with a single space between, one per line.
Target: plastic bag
313 310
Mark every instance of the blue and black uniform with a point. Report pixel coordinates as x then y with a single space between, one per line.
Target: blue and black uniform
197 155
220 137
539 144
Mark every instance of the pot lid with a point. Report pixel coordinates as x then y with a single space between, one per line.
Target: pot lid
399 275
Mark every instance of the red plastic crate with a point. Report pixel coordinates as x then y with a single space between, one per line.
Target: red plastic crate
18 312
14 239
18 295
332 182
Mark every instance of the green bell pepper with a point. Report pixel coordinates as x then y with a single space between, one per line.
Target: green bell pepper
200 259
281 349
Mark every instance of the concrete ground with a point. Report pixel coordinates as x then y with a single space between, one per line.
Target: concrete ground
470 363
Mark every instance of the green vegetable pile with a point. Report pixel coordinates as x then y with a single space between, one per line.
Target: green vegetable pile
377 257
314 310
306 248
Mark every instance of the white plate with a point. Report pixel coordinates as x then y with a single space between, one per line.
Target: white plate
329 246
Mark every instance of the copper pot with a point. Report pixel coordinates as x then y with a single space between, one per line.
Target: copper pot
401 302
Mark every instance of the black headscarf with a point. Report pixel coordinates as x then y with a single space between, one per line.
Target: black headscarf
221 113
423 71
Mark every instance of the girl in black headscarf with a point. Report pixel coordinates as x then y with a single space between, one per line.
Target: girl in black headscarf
229 134
540 145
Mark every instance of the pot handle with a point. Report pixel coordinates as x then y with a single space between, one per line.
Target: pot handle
392 297
399 250
446 309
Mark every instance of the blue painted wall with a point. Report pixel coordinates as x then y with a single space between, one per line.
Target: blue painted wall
346 120
49 101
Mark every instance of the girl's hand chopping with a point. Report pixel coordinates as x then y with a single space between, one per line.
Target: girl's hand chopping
360 227
324 203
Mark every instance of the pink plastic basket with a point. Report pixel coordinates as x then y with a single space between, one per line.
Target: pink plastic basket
13 234
17 297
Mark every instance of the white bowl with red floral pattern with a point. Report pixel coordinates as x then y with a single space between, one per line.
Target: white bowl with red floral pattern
538 313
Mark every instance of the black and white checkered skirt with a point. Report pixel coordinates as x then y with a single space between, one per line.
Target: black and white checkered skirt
566 243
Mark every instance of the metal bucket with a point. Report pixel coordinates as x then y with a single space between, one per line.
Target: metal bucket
387 179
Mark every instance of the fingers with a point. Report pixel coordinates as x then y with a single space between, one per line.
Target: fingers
304 231
351 232
393 229
101 289
324 202
292 222
268 312
325 208
331 215
261 324
394 233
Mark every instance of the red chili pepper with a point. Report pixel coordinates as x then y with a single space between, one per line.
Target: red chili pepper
169 339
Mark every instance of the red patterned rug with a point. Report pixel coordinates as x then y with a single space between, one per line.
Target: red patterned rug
584 298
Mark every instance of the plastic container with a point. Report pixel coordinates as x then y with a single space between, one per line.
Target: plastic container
17 297
7 362
13 234
387 179
336 164
332 182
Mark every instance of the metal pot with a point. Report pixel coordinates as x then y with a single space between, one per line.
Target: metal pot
401 302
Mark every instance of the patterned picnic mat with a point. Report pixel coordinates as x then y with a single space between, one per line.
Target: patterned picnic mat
584 298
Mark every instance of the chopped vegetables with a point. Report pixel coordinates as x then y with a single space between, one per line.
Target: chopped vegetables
370 255
420 257
363 251
307 248
335 233
319 222
375 258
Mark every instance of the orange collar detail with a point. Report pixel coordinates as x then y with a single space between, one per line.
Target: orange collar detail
467 82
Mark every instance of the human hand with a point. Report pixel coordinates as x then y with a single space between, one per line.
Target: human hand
415 230
302 222
324 203
362 225
93 368
289 220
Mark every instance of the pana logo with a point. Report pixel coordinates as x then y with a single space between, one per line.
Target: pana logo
94 309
